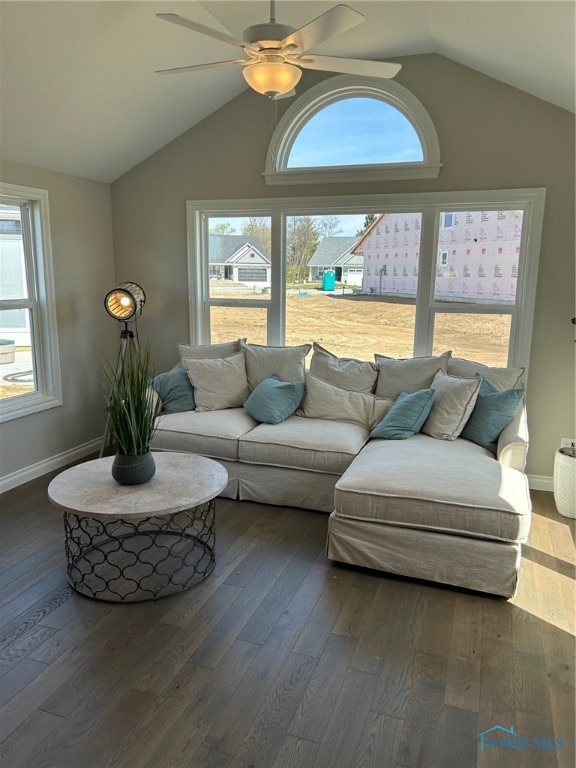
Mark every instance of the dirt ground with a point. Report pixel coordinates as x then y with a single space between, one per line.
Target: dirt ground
359 326
356 326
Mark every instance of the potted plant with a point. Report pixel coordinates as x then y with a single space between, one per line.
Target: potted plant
132 415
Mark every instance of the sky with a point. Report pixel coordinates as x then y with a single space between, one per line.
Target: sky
355 131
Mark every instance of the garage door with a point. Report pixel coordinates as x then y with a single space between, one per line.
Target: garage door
252 274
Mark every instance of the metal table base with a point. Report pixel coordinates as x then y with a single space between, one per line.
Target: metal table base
124 561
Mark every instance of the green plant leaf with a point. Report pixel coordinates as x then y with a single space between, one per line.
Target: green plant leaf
131 405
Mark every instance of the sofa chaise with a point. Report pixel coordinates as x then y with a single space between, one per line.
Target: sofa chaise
441 497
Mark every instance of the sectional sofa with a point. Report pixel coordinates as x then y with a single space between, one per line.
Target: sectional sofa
419 462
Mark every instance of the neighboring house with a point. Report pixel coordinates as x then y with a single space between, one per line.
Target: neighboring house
477 258
336 253
15 322
240 258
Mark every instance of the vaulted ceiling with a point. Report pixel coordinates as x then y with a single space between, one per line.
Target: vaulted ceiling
78 93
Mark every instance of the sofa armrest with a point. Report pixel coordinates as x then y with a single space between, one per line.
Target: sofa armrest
513 442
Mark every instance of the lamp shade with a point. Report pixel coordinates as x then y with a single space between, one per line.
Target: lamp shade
272 78
125 302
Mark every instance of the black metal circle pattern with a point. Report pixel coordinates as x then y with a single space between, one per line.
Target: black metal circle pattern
121 561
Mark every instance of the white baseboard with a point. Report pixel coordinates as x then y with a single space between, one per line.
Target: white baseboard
541 483
48 465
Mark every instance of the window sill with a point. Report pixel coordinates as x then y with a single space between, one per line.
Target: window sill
352 174
25 405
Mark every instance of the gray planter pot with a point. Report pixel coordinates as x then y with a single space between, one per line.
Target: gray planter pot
133 470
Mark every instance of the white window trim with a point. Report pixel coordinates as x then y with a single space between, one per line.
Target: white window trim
530 201
334 89
45 343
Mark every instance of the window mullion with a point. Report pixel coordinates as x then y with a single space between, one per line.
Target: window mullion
277 307
424 323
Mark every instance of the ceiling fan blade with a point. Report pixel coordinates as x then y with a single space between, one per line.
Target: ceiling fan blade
350 66
329 24
194 67
182 22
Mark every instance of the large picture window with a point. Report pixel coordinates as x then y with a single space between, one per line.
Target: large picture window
400 275
29 361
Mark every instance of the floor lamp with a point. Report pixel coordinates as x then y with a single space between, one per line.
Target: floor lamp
124 304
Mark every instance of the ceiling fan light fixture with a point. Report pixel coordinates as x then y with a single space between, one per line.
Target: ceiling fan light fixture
272 78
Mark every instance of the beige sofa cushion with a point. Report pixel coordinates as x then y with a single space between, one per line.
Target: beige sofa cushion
210 433
326 401
348 373
501 378
410 375
314 444
447 486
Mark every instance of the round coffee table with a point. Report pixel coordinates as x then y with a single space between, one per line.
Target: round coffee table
131 543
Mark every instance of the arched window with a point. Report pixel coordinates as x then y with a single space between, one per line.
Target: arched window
353 129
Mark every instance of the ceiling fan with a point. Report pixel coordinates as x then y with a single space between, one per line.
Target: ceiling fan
277 53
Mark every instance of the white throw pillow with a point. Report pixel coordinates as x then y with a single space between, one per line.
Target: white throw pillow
410 375
218 383
454 400
326 401
349 373
262 362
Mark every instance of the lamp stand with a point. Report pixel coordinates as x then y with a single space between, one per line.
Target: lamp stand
126 337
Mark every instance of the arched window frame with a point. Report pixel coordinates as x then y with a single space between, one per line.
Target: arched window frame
335 89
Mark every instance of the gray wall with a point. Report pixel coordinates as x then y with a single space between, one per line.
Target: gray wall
491 136
81 229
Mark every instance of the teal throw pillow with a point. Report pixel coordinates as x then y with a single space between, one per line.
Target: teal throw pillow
493 411
272 401
175 391
406 417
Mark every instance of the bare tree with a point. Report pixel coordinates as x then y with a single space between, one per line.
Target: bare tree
224 228
327 226
259 226
302 240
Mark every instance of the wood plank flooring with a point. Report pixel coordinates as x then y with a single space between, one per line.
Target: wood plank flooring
282 659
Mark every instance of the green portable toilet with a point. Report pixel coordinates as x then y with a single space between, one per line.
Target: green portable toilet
329 280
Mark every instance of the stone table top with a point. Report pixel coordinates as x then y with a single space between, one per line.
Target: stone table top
182 481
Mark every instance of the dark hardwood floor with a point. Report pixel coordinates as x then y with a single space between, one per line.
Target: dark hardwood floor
281 658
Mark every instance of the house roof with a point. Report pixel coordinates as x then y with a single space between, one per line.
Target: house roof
222 248
331 251
94 107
